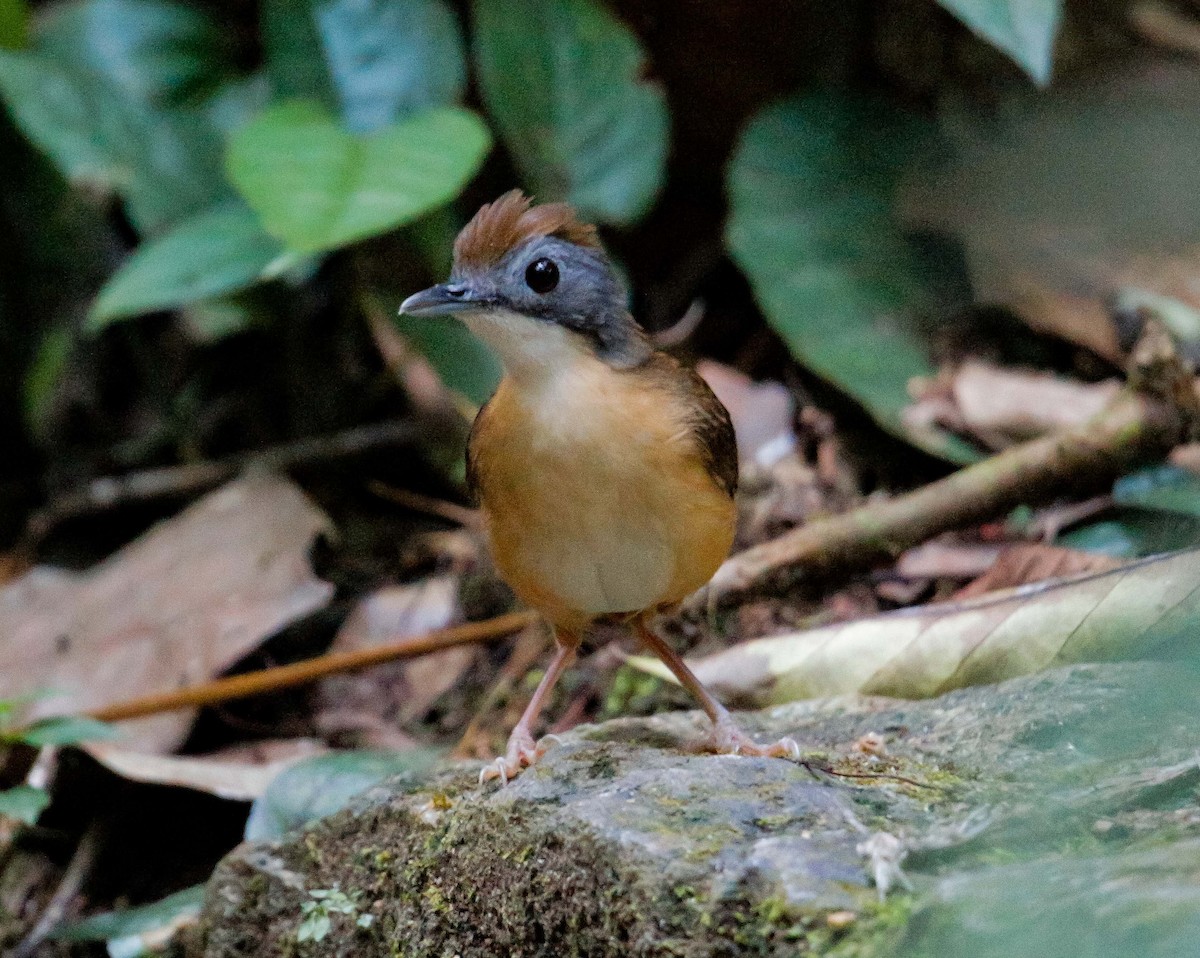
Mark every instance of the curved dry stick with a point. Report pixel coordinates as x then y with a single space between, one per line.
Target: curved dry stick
301 673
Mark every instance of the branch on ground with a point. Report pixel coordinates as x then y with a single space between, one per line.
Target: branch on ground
1140 426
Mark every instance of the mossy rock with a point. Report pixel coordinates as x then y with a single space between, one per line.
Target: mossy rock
622 842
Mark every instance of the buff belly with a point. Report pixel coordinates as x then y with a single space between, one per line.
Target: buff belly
616 514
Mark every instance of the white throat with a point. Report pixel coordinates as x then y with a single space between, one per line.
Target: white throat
535 354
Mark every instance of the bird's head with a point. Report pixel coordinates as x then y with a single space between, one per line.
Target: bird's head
534 284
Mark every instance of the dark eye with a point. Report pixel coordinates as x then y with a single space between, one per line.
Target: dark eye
541 275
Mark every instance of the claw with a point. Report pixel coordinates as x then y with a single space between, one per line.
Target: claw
728 739
495 769
522 752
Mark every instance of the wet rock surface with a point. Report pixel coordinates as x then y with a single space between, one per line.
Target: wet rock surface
1051 815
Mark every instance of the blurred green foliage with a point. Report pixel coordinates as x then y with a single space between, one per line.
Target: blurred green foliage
1024 29
26 802
115 92
561 82
23 803
320 786
369 63
14 24
812 227
1155 510
125 931
317 187
242 165
222 249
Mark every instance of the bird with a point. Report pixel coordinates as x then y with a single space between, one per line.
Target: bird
604 470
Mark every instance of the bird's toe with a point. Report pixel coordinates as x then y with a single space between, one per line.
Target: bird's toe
728 739
521 753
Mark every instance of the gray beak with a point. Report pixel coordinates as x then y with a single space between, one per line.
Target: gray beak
445 299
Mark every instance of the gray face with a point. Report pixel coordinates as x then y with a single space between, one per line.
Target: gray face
550 280
586 295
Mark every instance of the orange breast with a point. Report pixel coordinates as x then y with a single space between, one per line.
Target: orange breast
595 496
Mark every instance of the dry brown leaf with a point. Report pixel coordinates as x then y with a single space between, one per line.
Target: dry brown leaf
1034 562
772 500
1140 609
1021 404
397 611
178 606
1187 457
1001 407
1083 320
239 776
900 592
400 691
940 559
11 566
762 412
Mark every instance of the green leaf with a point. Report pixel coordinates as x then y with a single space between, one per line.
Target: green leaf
102 92
1024 29
68 730
153 52
56 110
812 227
321 785
461 361
210 320
1131 533
1167 488
317 187
563 82
371 61
238 101
1149 608
135 922
14 24
24 803
1158 510
217 251
315 926
43 375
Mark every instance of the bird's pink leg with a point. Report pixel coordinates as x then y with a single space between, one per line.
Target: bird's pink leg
726 737
522 750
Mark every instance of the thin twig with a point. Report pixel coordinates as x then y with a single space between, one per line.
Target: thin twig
1048 523
681 331
424 388
72 881
1166 27
814 767
108 492
416 502
301 673
41 775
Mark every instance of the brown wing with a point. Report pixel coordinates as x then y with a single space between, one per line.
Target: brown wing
477 427
714 430
710 420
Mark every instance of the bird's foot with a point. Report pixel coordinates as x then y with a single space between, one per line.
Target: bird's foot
727 739
522 752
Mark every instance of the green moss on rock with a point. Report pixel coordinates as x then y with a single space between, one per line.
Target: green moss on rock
624 843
